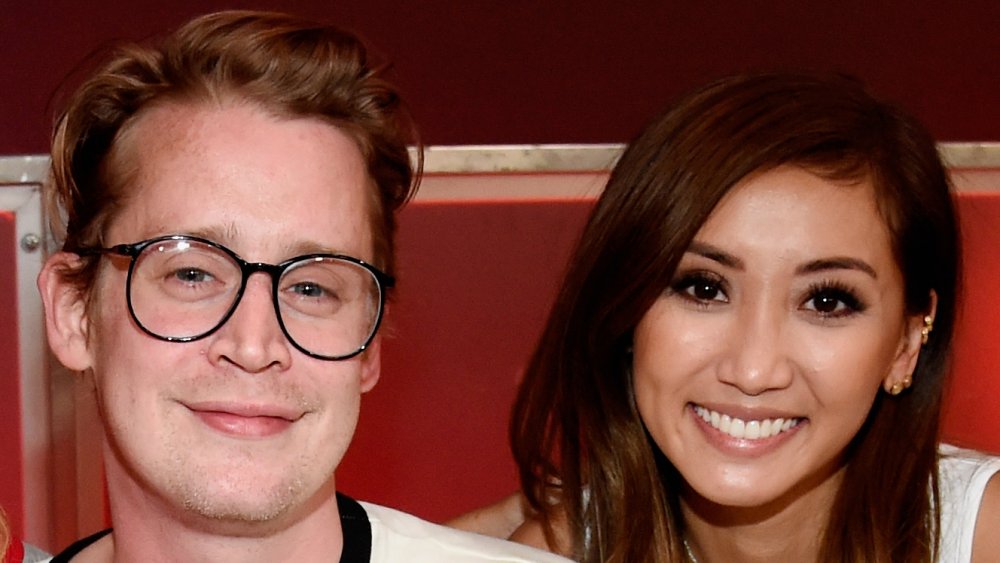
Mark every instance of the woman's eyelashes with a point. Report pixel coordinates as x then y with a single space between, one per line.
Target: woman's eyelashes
833 300
828 299
703 288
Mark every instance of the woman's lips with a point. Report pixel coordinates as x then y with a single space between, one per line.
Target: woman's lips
747 434
750 429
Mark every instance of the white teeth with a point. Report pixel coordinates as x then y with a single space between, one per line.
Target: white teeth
738 428
746 430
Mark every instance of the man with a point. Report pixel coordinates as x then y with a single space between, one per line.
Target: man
229 203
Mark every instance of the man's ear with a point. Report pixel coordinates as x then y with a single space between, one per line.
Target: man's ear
371 364
916 333
66 321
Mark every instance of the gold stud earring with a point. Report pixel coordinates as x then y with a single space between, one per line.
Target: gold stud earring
925 332
900 386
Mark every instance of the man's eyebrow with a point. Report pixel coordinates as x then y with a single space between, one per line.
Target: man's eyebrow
228 234
715 254
308 247
223 235
837 263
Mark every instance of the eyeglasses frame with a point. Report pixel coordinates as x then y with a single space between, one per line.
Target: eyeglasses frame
383 282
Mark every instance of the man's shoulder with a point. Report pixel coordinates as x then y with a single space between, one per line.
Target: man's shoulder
397 536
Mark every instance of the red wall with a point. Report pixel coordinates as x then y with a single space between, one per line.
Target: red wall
972 416
562 72
476 282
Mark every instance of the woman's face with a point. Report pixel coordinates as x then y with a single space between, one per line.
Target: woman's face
760 362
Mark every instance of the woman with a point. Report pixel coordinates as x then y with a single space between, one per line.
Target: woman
746 358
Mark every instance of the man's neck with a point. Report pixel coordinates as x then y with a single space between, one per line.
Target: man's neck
146 530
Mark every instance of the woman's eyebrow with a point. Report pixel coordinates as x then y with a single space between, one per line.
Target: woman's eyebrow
836 263
724 258
715 254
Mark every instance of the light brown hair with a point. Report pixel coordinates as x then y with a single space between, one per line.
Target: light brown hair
575 431
4 535
288 66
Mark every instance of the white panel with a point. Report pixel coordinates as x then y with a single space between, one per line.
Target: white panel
24 201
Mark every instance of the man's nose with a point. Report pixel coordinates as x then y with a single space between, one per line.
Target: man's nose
251 337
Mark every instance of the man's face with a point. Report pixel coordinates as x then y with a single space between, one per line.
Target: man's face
239 426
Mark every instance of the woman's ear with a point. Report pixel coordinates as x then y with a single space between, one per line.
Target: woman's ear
65 304
917 332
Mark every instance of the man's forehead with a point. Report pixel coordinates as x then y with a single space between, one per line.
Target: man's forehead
179 162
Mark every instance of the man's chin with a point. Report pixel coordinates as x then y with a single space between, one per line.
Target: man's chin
238 517
250 504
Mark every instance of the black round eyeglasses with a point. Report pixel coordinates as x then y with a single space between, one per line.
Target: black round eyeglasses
182 288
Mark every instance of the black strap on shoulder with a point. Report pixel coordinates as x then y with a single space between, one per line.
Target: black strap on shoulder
79 545
357 531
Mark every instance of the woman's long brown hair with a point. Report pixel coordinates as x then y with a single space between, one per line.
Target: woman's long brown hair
582 450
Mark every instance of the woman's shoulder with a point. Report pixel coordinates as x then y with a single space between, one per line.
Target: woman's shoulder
532 532
511 518
986 546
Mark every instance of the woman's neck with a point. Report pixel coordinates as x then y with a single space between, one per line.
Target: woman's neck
789 528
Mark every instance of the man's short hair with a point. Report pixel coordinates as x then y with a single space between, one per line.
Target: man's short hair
291 67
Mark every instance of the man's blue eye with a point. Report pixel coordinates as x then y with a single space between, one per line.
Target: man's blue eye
192 275
306 289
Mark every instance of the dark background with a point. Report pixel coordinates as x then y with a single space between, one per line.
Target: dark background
500 72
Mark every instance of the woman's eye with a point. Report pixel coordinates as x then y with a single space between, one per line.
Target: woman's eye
833 302
701 288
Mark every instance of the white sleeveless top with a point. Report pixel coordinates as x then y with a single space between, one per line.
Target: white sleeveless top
963 476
